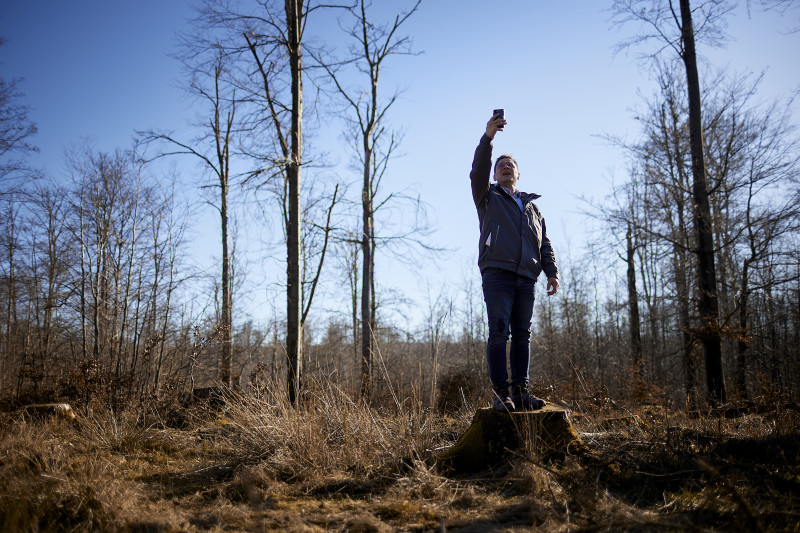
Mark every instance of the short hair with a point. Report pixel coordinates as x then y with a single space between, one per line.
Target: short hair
505 156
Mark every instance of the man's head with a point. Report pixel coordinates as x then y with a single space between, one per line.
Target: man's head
506 172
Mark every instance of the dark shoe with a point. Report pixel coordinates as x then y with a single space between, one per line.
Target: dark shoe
524 400
503 404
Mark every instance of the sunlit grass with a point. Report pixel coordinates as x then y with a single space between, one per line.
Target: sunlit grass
336 463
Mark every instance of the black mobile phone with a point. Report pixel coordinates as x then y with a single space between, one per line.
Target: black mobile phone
500 112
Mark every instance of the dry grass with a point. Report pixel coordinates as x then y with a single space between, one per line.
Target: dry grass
334 464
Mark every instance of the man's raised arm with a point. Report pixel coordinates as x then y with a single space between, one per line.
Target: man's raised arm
482 161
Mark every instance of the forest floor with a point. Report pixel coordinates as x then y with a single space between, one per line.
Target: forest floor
336 465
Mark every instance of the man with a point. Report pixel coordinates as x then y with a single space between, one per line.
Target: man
513 251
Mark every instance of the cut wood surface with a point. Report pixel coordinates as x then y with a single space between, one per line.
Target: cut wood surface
494 436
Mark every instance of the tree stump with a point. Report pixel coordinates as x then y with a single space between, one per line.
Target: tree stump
494 435
44 411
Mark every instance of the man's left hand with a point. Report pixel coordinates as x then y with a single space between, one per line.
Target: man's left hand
552 286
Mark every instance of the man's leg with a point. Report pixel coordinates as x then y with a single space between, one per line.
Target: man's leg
520 324
498 293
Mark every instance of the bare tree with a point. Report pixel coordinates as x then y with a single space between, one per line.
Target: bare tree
662 189
213 149
782 6
633 306
16 129
375 144
10 249
266 40
122 243
707 277
751 153
49 214
295 23
762 207
663 20
269 35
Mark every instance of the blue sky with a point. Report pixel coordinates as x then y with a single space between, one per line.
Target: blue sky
102 70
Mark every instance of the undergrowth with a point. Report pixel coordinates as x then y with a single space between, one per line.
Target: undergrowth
252 462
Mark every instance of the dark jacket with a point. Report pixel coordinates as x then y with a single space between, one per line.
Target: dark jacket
510 239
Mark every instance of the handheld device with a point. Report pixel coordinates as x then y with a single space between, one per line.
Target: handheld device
499 113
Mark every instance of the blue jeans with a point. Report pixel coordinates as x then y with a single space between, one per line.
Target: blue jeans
509 307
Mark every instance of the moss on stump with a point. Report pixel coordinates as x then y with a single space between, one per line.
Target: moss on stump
493 435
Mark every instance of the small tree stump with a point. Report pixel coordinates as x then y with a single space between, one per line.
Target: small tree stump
494 434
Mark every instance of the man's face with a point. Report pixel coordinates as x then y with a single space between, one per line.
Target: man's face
506 173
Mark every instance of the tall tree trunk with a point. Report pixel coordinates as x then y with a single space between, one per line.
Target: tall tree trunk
376 42
11 326
83 279
740 373
294 341
123 346
162 337
633 312
684 321
97 294
680 272
226 326
367 275
353 278
223 103
740 370
707 283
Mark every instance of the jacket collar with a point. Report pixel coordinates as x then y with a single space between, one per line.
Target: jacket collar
524 196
